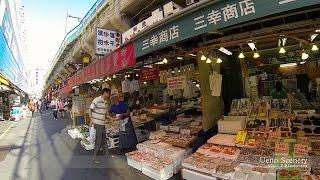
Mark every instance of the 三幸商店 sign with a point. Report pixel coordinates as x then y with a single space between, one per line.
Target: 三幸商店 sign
217 15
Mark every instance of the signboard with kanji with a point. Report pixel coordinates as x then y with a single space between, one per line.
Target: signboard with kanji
107 41
217 15
149 73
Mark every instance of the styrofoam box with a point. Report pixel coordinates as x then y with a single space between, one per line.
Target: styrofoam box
163 174
191 175
87 147
113 142
134 163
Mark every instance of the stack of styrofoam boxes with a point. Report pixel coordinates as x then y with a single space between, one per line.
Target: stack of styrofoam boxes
134 163
163 174
177 155
157 134
113 142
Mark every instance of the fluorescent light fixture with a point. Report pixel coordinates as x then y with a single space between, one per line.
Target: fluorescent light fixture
288 65
226 51
313 36
219 60
193 55
304 56
75 87
314 48
256 55
114 76
203 57
282 50
179 58
302 62
241 55
317 31
160 63
252 45
165 60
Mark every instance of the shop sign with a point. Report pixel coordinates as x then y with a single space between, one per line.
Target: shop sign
146 74
282 149
241 137
118 60
107 41
301 150
175 83
218 15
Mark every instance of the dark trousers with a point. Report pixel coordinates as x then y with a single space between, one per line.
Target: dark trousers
101 140
55 114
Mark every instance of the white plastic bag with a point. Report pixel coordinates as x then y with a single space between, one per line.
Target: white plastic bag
92 135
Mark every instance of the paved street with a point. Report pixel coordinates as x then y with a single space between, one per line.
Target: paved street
40 149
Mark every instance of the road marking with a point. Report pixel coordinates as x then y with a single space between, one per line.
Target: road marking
6 131
285 1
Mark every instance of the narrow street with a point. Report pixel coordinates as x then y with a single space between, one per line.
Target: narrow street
40 149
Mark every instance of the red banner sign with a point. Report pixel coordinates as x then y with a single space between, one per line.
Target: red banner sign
149 73
118 60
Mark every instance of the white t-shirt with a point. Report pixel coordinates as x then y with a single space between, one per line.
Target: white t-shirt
125 86
134 85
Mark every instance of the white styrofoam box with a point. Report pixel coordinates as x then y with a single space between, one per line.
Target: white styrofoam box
163 174
191 175
231 124
134 163
157 134
87 147
176 155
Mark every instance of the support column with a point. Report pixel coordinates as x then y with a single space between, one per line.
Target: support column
211 105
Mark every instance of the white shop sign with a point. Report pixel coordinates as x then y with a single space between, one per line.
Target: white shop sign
107 41
179 82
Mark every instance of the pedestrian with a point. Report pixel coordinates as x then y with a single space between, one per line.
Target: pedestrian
32 107
40 106
54 105
61 108
98 111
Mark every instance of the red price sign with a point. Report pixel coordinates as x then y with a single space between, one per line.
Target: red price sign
301 150
282 149
149 73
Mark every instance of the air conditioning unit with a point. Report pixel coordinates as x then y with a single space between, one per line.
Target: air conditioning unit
190 2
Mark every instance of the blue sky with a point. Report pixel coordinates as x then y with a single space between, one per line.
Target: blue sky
45 21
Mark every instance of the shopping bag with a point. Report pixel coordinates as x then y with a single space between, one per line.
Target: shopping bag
92 135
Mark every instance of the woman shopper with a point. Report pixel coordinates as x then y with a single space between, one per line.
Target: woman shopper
61 108
54 105
127 135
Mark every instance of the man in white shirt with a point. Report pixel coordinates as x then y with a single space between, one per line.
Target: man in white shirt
98 111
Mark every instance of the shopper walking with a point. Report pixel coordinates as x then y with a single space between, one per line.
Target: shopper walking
54 105
61 108
98 111
32 106
39 106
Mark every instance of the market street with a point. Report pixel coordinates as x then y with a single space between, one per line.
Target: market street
40 149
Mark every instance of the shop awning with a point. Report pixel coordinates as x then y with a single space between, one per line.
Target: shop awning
4 88
116 61
65 90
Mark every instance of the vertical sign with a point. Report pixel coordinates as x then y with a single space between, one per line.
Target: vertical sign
107 41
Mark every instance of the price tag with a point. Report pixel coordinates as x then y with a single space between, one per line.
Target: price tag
185 131
276 135
282 149
301 150
241 137
174 128
252 142
165 128
195 123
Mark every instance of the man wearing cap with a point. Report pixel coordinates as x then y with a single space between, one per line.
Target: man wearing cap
98 111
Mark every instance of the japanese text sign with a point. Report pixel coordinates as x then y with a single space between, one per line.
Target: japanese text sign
282 149
241 137
149 73
107 41
177 82
301 150
217 15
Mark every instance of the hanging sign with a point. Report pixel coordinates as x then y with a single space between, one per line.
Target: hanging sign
107 41
146 74
175 83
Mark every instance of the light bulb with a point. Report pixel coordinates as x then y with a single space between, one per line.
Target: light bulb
282 50
314 48
114 76
219 60
203 58
145 82
165 60
256 55
208 61
137 75
241 55
304 56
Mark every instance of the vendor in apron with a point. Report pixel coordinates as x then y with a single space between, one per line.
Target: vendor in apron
127 135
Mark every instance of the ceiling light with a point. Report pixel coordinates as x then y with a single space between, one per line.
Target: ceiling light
208 61
226 51
219 60
241 55
252 45
160 63
193 55
197 85
256 55
314 48
173 72
313 36
114 76
128 75
180 58
304 56
165 60
203 57
137 75
125 76
302 62
282 50
145 82
179 71
288 65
